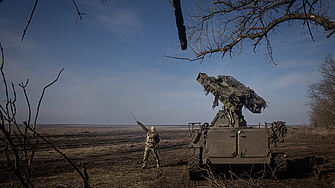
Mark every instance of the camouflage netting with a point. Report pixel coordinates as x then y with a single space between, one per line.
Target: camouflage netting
232 93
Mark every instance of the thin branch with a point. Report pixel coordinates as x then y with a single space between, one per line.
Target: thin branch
82 175
331 33
23 86
16 167
318 19
6 111
78 12
33 11
13 106
39 102
31 16
224 26
307 23
182 58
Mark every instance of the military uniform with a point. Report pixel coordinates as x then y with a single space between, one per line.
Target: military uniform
151 144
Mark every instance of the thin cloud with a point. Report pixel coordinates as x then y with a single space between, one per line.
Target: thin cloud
292 79
297 64
11 39
117 17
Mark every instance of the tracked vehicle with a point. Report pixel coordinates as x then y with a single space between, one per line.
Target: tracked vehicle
227 140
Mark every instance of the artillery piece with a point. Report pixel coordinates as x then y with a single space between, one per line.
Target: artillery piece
234 95
227 140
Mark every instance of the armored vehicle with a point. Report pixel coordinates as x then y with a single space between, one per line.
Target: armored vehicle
227 140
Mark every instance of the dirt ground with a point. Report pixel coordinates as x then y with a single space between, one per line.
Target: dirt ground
114 156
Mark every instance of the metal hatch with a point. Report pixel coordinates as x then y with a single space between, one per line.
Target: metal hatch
253 143
221 143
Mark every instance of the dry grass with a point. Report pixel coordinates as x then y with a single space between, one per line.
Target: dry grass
114 159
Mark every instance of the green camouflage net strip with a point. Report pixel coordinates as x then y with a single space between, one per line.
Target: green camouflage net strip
232 93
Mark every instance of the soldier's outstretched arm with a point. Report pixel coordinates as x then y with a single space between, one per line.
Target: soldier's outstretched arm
143 127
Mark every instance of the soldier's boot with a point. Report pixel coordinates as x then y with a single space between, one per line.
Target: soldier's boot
144 165
158 164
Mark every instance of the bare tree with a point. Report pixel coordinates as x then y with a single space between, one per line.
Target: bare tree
79 14
322 96
18 143
226 25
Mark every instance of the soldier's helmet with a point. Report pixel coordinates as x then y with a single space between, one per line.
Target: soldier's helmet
153 128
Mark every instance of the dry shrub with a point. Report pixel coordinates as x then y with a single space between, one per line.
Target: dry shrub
246 179
320 169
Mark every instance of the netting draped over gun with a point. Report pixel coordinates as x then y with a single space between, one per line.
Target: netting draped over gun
151 143
233 95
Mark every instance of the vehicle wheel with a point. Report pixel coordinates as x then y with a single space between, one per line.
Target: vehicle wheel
194 163
279 162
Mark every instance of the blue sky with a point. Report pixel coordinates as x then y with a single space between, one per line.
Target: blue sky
114 65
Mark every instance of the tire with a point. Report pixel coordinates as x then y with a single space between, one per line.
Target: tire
194 163
279 162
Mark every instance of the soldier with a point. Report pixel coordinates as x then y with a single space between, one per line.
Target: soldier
152 141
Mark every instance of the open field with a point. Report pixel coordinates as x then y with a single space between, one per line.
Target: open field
114 156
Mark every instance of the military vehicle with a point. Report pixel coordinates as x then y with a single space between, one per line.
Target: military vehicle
227 140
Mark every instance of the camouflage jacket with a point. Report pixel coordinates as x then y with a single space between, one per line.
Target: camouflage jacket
152 137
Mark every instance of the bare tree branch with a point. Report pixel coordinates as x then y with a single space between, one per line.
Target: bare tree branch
84 175
23 86
39 102
6 88
79 14
225 26
29 20
318 19
19 149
